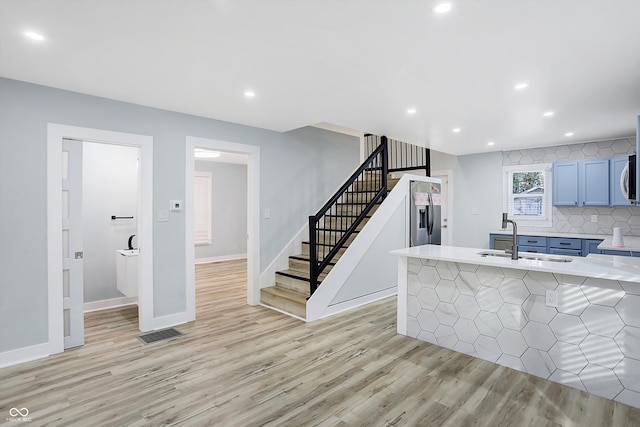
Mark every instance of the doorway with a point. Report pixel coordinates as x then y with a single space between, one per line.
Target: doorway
56 134
447 192
253 214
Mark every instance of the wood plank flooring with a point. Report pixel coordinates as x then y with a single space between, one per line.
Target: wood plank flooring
238 365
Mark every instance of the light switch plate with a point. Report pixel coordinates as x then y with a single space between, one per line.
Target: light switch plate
267 213
175 205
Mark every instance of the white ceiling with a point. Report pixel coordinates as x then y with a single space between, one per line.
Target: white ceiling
358 64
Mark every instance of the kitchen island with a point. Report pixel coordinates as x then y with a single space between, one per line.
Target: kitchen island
575 323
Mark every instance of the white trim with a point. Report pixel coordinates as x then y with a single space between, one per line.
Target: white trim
253 216
358 302
219 258
170 320
109 303
281 262
547 197
206 194
55 134
449 174
283 312
24 354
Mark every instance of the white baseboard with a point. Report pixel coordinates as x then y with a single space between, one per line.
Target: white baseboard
163 322
109 303
220 258
281 261
283 312
25 354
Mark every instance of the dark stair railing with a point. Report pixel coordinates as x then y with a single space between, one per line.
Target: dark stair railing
339 218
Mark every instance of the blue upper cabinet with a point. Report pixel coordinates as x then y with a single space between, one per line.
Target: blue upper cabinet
593 182
616 165
565 183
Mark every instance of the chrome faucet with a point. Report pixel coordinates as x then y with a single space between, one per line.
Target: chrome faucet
514 244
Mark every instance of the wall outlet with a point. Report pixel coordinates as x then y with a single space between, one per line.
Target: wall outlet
551 298
594 218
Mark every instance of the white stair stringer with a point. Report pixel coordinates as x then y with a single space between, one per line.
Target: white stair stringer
367 272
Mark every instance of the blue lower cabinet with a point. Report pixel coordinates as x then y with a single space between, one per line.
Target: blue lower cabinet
621 253
532 249
570 252
590 246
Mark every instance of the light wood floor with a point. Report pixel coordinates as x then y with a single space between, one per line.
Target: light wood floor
250 366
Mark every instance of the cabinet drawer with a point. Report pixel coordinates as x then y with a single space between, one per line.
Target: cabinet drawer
562 243
532 241
533 249
570 252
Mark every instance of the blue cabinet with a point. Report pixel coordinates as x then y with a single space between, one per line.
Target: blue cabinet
565 183
616 165
581 183
621 253
593 182
590 246
565 246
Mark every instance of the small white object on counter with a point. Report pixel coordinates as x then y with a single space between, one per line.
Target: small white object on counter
631 244
617 237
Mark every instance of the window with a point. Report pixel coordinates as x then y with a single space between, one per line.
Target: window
202 208
527 194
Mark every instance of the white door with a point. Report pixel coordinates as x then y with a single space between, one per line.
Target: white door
446 231
72 254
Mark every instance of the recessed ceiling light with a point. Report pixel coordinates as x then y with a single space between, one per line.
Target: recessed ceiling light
521 86
249 93
34 36
490 143
442 8
455 130
548 113
201 153
411 111
568 134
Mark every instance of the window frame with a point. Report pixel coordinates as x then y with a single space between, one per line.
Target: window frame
546 219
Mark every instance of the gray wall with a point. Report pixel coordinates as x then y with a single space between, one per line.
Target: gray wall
578 219
299 171
228 210
109 187
477 195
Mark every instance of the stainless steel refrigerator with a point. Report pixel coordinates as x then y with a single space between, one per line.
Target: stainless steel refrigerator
425 213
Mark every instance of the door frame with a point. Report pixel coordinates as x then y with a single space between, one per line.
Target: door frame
253 216
449 174
55 134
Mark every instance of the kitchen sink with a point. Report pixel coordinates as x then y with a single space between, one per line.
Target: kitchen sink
529 256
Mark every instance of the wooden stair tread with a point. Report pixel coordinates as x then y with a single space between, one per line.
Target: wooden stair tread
287 294
300 275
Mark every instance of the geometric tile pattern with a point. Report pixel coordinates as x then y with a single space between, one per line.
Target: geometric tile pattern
499 315
578 219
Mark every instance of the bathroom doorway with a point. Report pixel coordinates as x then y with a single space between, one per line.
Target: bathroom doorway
65 313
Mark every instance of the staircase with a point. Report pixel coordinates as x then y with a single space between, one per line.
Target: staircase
338 222
292 287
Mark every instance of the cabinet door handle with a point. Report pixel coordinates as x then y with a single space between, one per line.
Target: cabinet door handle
565 243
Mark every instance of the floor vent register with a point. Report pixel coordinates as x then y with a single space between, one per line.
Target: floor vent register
159 335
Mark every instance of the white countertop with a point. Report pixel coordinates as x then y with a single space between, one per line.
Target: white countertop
610 267
631 243
552 234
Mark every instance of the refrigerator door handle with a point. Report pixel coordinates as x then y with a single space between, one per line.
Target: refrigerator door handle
430 215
